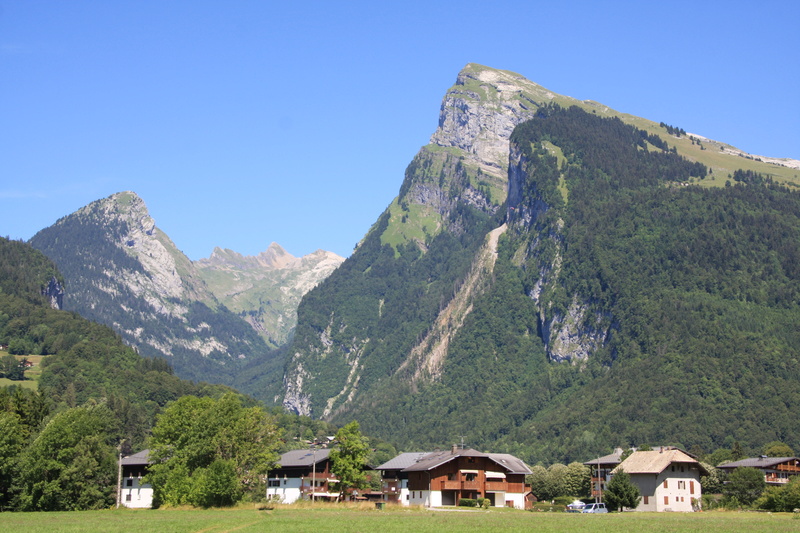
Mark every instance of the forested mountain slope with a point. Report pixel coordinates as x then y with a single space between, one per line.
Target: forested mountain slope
84 360
639 295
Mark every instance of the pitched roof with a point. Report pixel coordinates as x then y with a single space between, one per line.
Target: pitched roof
432 460
404 460
515 465
511 464
654 462
612 458
758 462
138 458
303 457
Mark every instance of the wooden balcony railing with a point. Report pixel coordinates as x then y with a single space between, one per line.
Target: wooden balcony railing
497 485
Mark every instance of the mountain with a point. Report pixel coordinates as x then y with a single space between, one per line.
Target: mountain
556 278
123 271
266 289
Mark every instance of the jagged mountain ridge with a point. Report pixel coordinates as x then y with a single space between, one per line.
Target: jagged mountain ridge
266 289
360 347
123 271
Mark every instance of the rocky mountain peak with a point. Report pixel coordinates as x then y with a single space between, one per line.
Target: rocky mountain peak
481 110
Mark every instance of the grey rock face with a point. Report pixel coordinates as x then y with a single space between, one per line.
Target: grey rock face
481 110
55 293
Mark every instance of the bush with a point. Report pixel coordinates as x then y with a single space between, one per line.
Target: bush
467 502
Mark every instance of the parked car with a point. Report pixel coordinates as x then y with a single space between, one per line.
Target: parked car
595 508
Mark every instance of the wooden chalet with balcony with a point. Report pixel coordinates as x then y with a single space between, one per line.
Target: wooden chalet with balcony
443 478
777 470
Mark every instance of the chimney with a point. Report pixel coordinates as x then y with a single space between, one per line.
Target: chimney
454 449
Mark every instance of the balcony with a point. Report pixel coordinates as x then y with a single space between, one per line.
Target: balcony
471 485
451 485
497 486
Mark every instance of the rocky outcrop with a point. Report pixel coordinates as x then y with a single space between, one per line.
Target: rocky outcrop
481 110
54 292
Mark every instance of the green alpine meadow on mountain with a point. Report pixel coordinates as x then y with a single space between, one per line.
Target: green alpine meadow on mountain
556 278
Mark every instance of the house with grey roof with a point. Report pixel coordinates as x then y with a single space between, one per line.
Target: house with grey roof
133 492
777 470
302 474
443 478
395 479
668 479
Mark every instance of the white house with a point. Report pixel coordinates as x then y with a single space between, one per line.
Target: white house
302 474
133 492
668 480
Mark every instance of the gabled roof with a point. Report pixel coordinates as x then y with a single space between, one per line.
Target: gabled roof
509 463
655 462
610 459
298 458
404 460
759 462
515 465
432 460
138 458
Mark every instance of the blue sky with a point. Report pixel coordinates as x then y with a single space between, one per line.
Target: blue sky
241 123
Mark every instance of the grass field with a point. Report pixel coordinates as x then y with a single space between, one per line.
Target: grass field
324 518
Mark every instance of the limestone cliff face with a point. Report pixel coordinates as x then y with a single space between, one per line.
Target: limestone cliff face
266 289
481 110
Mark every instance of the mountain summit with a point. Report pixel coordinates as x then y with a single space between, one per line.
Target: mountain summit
123 271
547 258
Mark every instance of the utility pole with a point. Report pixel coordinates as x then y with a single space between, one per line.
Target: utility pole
119 476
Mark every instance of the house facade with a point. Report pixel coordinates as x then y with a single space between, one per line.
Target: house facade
777 470
302 474
133 492
395 480
443 478
601 471
668 480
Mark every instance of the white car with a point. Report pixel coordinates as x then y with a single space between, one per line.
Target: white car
595 508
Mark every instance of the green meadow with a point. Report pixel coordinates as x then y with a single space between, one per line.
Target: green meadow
364 518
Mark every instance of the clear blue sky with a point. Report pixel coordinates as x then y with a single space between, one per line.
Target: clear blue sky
246 122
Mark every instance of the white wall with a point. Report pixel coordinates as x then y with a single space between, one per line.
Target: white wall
135 494
288 491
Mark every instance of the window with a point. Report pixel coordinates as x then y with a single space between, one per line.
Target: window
646 500
666 500
129 482
681 484
127 497
274 482
665 484
691 487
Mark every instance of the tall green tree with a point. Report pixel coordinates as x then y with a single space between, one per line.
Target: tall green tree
210 452
744 485
12 439
71 464
350 457
621 492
